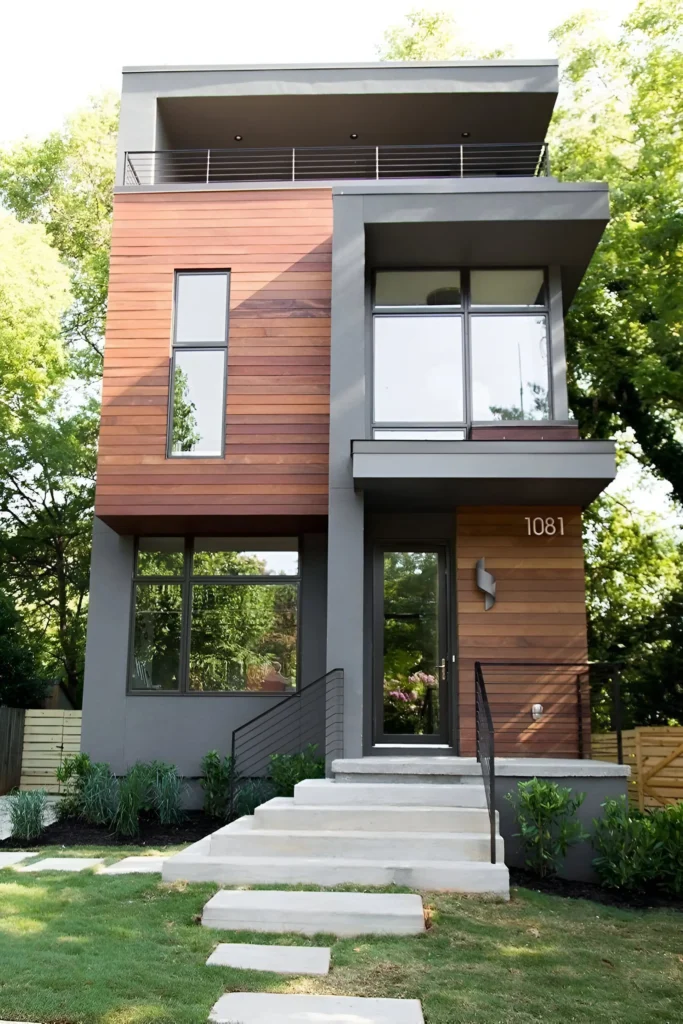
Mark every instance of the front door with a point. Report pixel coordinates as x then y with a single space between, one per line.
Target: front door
411 658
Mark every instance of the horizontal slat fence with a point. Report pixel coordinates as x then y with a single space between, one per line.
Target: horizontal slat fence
655 755
49 737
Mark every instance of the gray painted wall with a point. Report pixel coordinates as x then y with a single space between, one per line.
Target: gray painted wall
122 728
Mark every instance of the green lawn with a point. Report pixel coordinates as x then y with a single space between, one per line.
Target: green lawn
77 949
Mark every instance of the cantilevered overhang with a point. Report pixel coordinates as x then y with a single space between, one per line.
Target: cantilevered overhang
481 222
437 475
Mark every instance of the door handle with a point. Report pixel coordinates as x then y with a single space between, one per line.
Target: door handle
442 668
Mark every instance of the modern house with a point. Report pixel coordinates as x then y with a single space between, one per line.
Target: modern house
336 439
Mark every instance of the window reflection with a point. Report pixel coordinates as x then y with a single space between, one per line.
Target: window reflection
418 372
510 368
198 402
156 640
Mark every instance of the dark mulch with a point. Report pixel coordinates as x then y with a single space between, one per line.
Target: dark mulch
592 891
73 832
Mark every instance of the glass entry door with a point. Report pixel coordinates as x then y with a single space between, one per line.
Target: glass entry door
410 645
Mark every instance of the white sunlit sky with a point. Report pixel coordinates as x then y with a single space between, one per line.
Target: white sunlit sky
56 55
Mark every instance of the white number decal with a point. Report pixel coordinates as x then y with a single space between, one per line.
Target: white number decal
548 527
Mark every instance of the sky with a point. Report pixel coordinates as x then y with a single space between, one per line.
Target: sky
57 54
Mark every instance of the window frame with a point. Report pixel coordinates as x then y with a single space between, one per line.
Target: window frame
467 312
187 581
197 346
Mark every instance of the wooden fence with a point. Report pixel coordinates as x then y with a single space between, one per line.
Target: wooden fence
11 743
655 754
49 737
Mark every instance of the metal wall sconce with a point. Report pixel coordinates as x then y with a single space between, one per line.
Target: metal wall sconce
536 712
486 582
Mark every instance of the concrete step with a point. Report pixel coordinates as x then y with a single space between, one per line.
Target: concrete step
271 1008
411 770
406 794
284 813
247 956
195 865
242 839
310 913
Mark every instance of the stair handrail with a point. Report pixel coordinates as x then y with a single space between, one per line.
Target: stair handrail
486 754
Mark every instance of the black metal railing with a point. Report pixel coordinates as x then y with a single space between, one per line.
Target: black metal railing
486 750
314 715
334 163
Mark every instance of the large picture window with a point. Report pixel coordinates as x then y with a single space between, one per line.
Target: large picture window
199 364
215 615
452 347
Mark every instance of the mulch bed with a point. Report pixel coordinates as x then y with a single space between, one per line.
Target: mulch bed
591 891
72 832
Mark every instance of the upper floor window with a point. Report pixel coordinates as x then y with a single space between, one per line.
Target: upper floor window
199 363
452 347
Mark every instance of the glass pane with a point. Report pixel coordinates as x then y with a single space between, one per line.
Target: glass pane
201 308
198 402
255 556
156 637
507 288
510 368
411 642
418 369
417 288
419 435
243 637
160 556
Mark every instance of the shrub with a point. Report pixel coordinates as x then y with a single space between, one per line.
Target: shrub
288 769
73 773
636 850
250 794
546 817
98 796
134 798
26 811
167 793
216 781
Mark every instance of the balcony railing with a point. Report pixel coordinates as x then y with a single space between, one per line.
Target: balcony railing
336 163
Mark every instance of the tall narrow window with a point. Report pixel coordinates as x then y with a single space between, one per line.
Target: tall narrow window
198 374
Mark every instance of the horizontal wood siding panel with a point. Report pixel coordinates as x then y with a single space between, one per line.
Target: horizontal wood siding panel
539 616
278 248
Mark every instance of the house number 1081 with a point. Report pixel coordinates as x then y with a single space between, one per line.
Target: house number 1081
544 527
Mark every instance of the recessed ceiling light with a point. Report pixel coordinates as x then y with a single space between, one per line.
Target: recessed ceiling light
238 138
464 135
353 135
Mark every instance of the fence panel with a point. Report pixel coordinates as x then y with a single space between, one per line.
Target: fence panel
11 744
655 754
49 737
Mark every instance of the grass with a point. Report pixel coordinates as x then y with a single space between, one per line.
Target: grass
77 949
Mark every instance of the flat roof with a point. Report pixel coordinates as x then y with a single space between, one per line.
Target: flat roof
350 66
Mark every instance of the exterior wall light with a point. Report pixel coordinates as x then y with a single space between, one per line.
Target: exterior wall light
464 135
536 712
238 138
353 135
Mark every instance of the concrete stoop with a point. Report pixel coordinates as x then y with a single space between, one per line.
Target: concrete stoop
421 823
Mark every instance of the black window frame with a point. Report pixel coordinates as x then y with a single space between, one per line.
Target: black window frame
467 313
197 346
187 581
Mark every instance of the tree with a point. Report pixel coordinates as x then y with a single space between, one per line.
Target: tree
21 685
429 35
66 184
620 122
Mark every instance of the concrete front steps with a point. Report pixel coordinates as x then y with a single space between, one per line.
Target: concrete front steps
430 830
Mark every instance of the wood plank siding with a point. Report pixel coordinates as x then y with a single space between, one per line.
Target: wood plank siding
277 246
539 616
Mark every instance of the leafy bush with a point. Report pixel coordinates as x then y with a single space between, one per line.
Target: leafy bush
250 794
288 769
167 793
20 683
636 850
216 781
98 795
73 774
546 817
134 798
26 811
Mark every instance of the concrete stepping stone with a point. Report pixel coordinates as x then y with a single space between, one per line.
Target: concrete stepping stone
278 959
8 860
135 865
309 913
63 864
266 1008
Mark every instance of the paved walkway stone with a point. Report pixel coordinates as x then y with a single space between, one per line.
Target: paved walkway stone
278 959
135 865
63 864
8 860
265 1008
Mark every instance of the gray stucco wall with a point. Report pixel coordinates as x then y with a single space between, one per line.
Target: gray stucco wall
122 728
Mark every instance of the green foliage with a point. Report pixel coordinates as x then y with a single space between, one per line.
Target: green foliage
26 812
185 427
250 794
638 851
548 826
135 796
73 773
285 770
216 780
166 793
429 35
99 795
21 685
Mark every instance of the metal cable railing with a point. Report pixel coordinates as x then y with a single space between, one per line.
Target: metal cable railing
336 163
486 755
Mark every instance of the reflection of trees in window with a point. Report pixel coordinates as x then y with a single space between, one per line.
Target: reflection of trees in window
243 636
538 409
185 427
156 641
227 563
